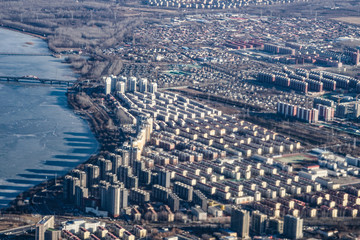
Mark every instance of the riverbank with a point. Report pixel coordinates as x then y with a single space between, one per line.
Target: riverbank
23 31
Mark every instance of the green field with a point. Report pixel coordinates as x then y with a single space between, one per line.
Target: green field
179 73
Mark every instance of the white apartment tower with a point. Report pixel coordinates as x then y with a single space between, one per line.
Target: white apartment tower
108 84
143 85
132 84
153 88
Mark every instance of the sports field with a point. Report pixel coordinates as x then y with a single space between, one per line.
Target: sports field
296 158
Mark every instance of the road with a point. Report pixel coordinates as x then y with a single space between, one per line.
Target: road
18 230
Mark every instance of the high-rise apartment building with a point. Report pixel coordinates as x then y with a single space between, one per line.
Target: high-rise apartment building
293 227
240 222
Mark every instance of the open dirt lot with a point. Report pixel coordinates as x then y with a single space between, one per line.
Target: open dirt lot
351 20
8 221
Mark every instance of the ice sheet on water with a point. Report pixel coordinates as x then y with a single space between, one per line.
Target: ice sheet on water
35 121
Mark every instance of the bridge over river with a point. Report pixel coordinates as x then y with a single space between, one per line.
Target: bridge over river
24 54
33 79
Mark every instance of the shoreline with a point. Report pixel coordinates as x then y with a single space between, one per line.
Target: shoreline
24 32
36 35
22 196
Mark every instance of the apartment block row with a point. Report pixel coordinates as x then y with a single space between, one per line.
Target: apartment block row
284 81
303 114
303 80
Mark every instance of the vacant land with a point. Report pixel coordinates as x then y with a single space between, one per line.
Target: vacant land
351 20
9 221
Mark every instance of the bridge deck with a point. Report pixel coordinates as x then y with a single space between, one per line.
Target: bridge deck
36 80
23 54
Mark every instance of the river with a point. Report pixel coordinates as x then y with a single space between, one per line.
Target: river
40 137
